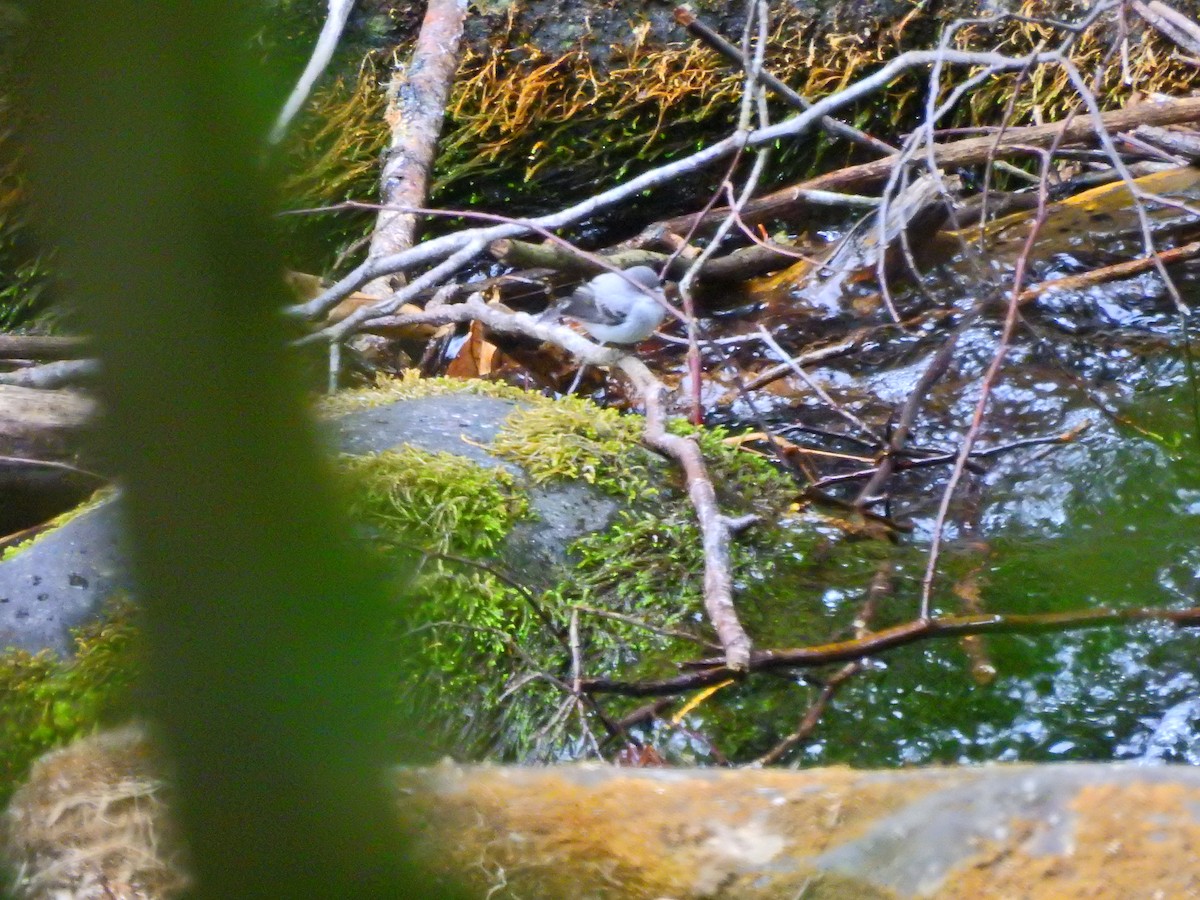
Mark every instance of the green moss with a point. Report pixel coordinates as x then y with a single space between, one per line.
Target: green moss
574 439
648 564
477 656
438 502
459 625
745 482
411 387
333 152
469 650
483 662
49 701
26 265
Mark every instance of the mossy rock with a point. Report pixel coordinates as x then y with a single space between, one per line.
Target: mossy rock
507 514
59 580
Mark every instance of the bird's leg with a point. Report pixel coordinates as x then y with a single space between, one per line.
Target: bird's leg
578 378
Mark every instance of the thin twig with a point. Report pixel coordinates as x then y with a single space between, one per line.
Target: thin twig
653 629
686 17
327 41
51 464
794 366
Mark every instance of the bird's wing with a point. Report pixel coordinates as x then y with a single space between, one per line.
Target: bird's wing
583 304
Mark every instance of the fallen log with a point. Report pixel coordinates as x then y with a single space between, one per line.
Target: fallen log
41 436
42 424
42 346
53 375
99 813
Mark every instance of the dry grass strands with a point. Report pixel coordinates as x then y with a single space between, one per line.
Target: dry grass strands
91 824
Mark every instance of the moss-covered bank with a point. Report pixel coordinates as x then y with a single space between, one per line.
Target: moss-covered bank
481 658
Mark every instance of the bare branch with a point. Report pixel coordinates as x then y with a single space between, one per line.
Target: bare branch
416 108
710 671
331 32
440 248
714 527
686 17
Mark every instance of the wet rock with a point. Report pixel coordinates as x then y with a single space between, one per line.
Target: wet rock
61 579
1068 830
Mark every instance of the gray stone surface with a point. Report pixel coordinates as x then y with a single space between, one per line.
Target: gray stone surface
999 831
454 424
61 580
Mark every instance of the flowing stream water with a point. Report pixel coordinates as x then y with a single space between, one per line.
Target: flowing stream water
1108 517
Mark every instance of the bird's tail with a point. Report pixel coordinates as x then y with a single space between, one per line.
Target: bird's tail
551 314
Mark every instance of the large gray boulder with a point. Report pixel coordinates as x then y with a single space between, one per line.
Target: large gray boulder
61 579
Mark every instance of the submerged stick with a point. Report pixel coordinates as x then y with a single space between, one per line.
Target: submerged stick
711 671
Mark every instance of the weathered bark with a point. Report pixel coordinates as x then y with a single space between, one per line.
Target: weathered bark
416 109
1171 23
38 346
745 262
41 434
42 424
52 375
1181 144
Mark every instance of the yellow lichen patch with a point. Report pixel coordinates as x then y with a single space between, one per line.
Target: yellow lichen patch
1092 211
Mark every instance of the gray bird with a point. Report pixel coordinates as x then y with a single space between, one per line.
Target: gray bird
614 311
